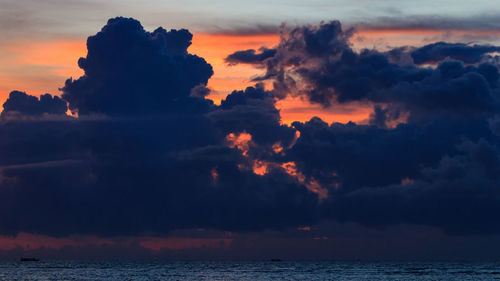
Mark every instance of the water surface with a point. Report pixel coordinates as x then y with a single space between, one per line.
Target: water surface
224 270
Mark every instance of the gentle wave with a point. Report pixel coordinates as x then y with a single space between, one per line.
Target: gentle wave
225 270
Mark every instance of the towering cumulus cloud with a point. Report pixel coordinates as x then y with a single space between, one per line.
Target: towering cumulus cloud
317 62
429 154
129 71
148 153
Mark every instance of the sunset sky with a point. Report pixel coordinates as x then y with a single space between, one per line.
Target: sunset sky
42 40
131 157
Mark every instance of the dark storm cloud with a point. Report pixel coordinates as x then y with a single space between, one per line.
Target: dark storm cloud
114 195
20 102
443 174
379 117
253 111
250 56
439 51
438 169
317 62
460 194
129 71
384 155
148 153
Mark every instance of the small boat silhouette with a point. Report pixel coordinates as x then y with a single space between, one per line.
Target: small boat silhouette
30 259
275 260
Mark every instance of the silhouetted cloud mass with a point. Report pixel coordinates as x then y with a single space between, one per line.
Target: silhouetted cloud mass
148 153
20 102
250 56
317 62
430 151
129 71
441 50
253 111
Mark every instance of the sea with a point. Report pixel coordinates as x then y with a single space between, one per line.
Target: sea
255 270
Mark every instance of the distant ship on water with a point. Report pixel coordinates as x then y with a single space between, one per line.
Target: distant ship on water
30 259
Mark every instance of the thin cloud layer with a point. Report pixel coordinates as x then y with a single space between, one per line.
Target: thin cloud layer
439 51
250 56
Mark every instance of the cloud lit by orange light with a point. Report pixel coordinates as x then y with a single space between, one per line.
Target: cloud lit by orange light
260 167
311 184
41 67
214 174
407 181
239 140
215 47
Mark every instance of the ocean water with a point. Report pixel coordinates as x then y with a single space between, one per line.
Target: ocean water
156 270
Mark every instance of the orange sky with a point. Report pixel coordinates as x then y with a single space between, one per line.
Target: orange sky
41 67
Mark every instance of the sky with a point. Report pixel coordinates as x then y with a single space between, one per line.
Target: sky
250 130
42 40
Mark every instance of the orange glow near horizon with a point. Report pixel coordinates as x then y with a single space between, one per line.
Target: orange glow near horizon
36 241
180 243
28 241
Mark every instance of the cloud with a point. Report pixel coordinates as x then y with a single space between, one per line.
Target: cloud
439 51
147 164
129 71
250 56
472 22
253 111
20 102
442 174
458 195
429 155
239 27
318 63
149 154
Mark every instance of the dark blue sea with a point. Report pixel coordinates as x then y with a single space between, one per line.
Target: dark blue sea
140 270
